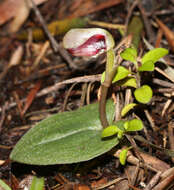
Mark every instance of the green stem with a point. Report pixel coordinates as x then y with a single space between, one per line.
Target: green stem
104 91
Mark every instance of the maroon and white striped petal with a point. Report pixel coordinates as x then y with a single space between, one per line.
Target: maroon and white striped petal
88 42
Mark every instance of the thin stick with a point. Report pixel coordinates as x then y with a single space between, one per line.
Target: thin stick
55 87
91 78
107 25
53 42
56 47
3 116
117 180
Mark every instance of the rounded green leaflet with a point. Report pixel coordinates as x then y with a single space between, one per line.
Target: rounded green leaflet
130 54
123 156
127 108
154 55
67 137
134 125
147 66
109 131
121 73
143 94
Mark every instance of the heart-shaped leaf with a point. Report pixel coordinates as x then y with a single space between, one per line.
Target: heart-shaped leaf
130 54
134 125
121 73
67 137
123 156
154 55
147 66
143 94
111 130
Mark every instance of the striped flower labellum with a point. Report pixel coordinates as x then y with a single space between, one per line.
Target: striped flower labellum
93 46
88 42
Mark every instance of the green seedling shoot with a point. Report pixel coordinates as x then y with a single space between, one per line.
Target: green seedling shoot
123 155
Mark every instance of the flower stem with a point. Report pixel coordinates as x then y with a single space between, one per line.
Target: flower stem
104 90
102 106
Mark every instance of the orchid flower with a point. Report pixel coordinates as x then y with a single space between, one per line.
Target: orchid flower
92 42
88 42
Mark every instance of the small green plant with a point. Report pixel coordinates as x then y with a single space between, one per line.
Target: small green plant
142 94
123 155
83 134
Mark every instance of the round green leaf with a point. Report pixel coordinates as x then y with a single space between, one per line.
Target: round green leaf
127 108
130 54
109 131
121 73
67 137
154 55
134 125
143 94
123 156
147 66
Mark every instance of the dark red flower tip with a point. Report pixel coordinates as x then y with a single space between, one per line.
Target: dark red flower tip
93 46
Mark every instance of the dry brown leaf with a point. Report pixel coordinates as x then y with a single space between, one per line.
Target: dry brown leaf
99 182
154 162
74 8
17 9
31 97
14 60
22 14
81 187
168 33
